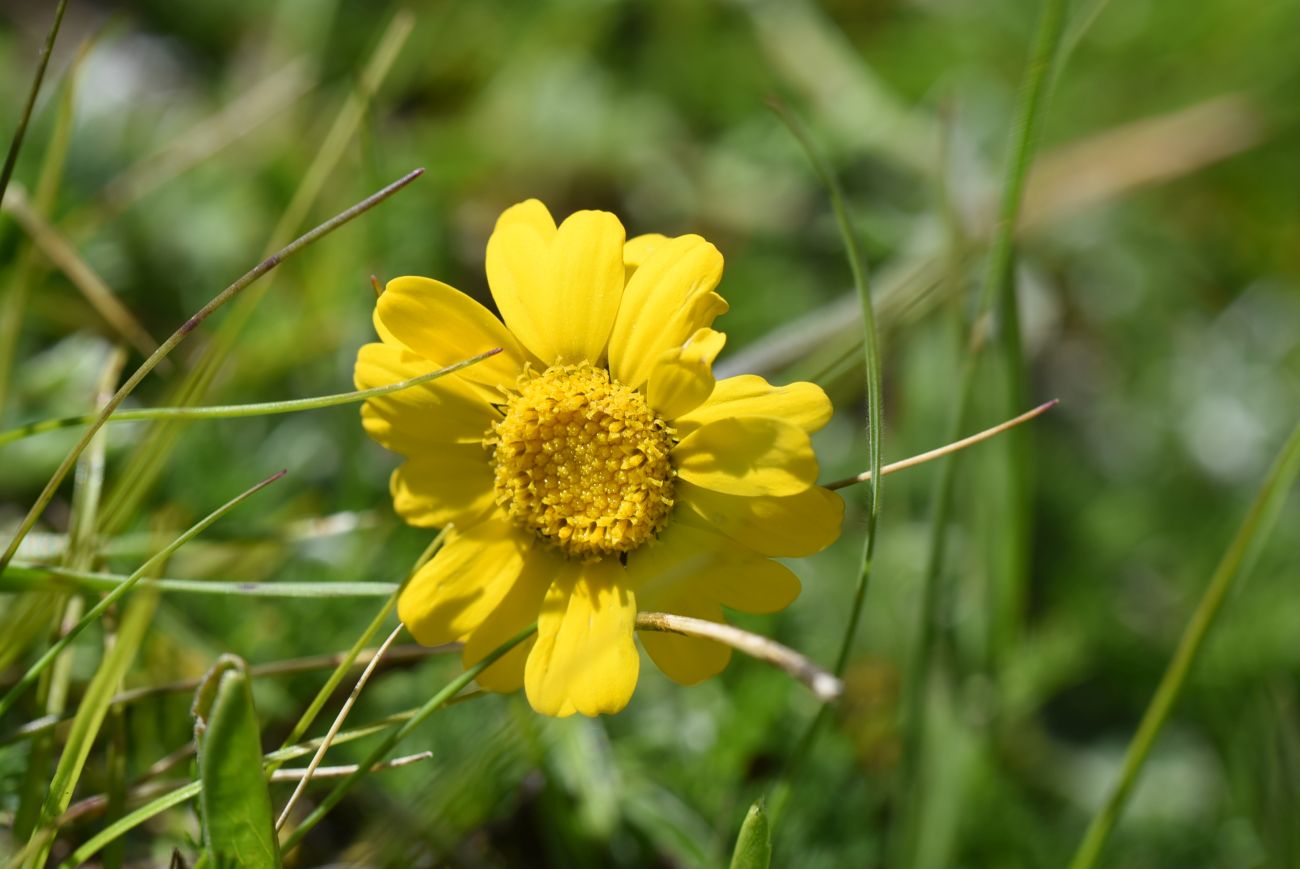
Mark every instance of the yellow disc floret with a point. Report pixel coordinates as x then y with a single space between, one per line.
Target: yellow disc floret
581 461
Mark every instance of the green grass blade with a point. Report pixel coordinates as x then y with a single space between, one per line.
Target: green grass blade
437 701
875 419
344 666
28 678
237 411
266 265
1236 563
754 844
91 712
31 577
26 270
152 453
998 285
130 821
238 829
16 144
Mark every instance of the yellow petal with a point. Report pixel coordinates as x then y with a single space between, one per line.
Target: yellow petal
639 248
686 660
683 377
689 563
747 456
668 297
449 597
445 326
804 404
585 658
586 284
424 417
518 273
532 214
518 609
450 484
788 526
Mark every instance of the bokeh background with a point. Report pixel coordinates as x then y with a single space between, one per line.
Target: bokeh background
1158 277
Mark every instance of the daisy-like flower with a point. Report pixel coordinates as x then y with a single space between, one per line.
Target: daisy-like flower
594 467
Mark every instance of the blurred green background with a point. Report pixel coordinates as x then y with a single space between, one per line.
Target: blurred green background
1159 289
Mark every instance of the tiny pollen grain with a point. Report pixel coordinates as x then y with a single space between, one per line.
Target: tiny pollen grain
581 461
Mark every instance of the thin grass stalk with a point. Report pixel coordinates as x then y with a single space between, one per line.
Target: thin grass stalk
148 459
377 754
875 419
334 728
52 688
1235 563
179 335
340 671
998 284
26 270
239 411
11 696
16 144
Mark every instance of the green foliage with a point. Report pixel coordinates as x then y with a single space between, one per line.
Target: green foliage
754 844
238 829
1157 294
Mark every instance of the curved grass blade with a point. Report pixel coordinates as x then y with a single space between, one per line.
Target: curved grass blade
266 265
875 419
90 715
235 801
237 411
28 678
995 298
1236 562
449 691
16 144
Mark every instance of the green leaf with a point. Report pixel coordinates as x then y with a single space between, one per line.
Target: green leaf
754 844
238 829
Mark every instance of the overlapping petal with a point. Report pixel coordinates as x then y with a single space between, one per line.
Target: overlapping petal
452 484
516 610
701 564
786 526
747 456
585 658
683 376
445 326
668 297
422 418
467 579
802 403
518 273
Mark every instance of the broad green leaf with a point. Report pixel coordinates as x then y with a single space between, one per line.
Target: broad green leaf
754 844
238 829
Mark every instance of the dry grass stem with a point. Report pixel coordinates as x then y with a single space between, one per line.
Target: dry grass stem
823 685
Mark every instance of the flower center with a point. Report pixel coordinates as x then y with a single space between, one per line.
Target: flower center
581 461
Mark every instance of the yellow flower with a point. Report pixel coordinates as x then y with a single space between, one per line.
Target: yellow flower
594 467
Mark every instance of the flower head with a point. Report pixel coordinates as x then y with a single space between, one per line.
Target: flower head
594 467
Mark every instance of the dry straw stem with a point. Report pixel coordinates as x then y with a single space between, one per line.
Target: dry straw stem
302 776
335 727
65 257
948 449
179 335
825 686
